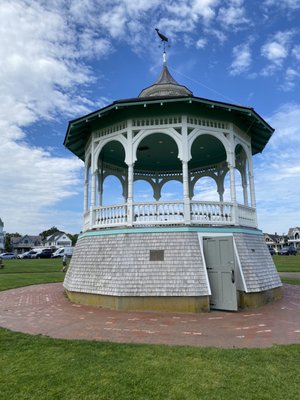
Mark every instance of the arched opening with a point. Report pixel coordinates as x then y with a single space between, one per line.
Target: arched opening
238 187
112 171
143 191
87 185
172 191
207 150
241 175
157 152
112 191
226 184
205 189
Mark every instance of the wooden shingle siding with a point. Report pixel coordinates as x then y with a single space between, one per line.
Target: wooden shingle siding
257 265
119 265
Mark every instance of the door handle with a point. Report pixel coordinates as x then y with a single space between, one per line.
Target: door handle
232 276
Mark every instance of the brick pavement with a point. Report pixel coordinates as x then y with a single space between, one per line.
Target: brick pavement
44 309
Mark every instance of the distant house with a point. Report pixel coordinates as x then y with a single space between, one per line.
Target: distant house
274 241
294 237
2 236
24 243
58 239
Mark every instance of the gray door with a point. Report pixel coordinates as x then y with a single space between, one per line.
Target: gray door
219 258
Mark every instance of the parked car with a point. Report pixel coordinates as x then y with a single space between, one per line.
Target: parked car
23 255
286 251
272 251
46 253
68 251
28 254
7 256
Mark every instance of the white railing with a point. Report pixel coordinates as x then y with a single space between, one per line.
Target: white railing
246 216
170 213
212 213
158 213
115 215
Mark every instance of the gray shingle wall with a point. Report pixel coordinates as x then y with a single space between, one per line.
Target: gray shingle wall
120 265
257 265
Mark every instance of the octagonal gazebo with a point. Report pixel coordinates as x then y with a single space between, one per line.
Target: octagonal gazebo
181 255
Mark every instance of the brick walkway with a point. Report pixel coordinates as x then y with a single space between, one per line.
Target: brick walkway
43 309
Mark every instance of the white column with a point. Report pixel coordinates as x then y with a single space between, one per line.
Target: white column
100 184
251 183
231 166
93 200
93 184
86 190
129 160
130 196
185 172
245 189
186 193
220 187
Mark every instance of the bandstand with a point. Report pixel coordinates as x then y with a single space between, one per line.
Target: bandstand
187 254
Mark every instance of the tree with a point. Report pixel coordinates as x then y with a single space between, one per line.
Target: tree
7 243
49 232
73 238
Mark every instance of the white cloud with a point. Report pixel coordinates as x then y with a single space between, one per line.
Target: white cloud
277 172
32 182
288 4
296 52
276 50
194 9
234 15
201 43
241 59
218 34
291 76
286 121
40 71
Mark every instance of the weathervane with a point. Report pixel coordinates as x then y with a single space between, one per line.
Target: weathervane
164 40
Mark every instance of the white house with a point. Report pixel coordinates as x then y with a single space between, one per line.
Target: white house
294 237
58 239
274 241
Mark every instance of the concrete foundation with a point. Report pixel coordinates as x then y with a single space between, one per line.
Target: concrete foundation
150 303
255 300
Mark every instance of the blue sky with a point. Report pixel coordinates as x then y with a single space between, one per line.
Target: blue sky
62 59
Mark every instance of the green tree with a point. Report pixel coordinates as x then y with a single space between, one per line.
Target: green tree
49 232
7 243
73 238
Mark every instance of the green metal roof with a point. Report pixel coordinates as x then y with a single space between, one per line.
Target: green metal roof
246 118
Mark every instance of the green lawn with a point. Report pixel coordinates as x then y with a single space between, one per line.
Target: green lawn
17 273
287 263
35 367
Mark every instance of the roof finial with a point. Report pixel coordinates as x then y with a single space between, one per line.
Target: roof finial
164 40
164 57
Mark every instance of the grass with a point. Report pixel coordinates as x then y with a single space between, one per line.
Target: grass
18 273
287 263
35 368
290 281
